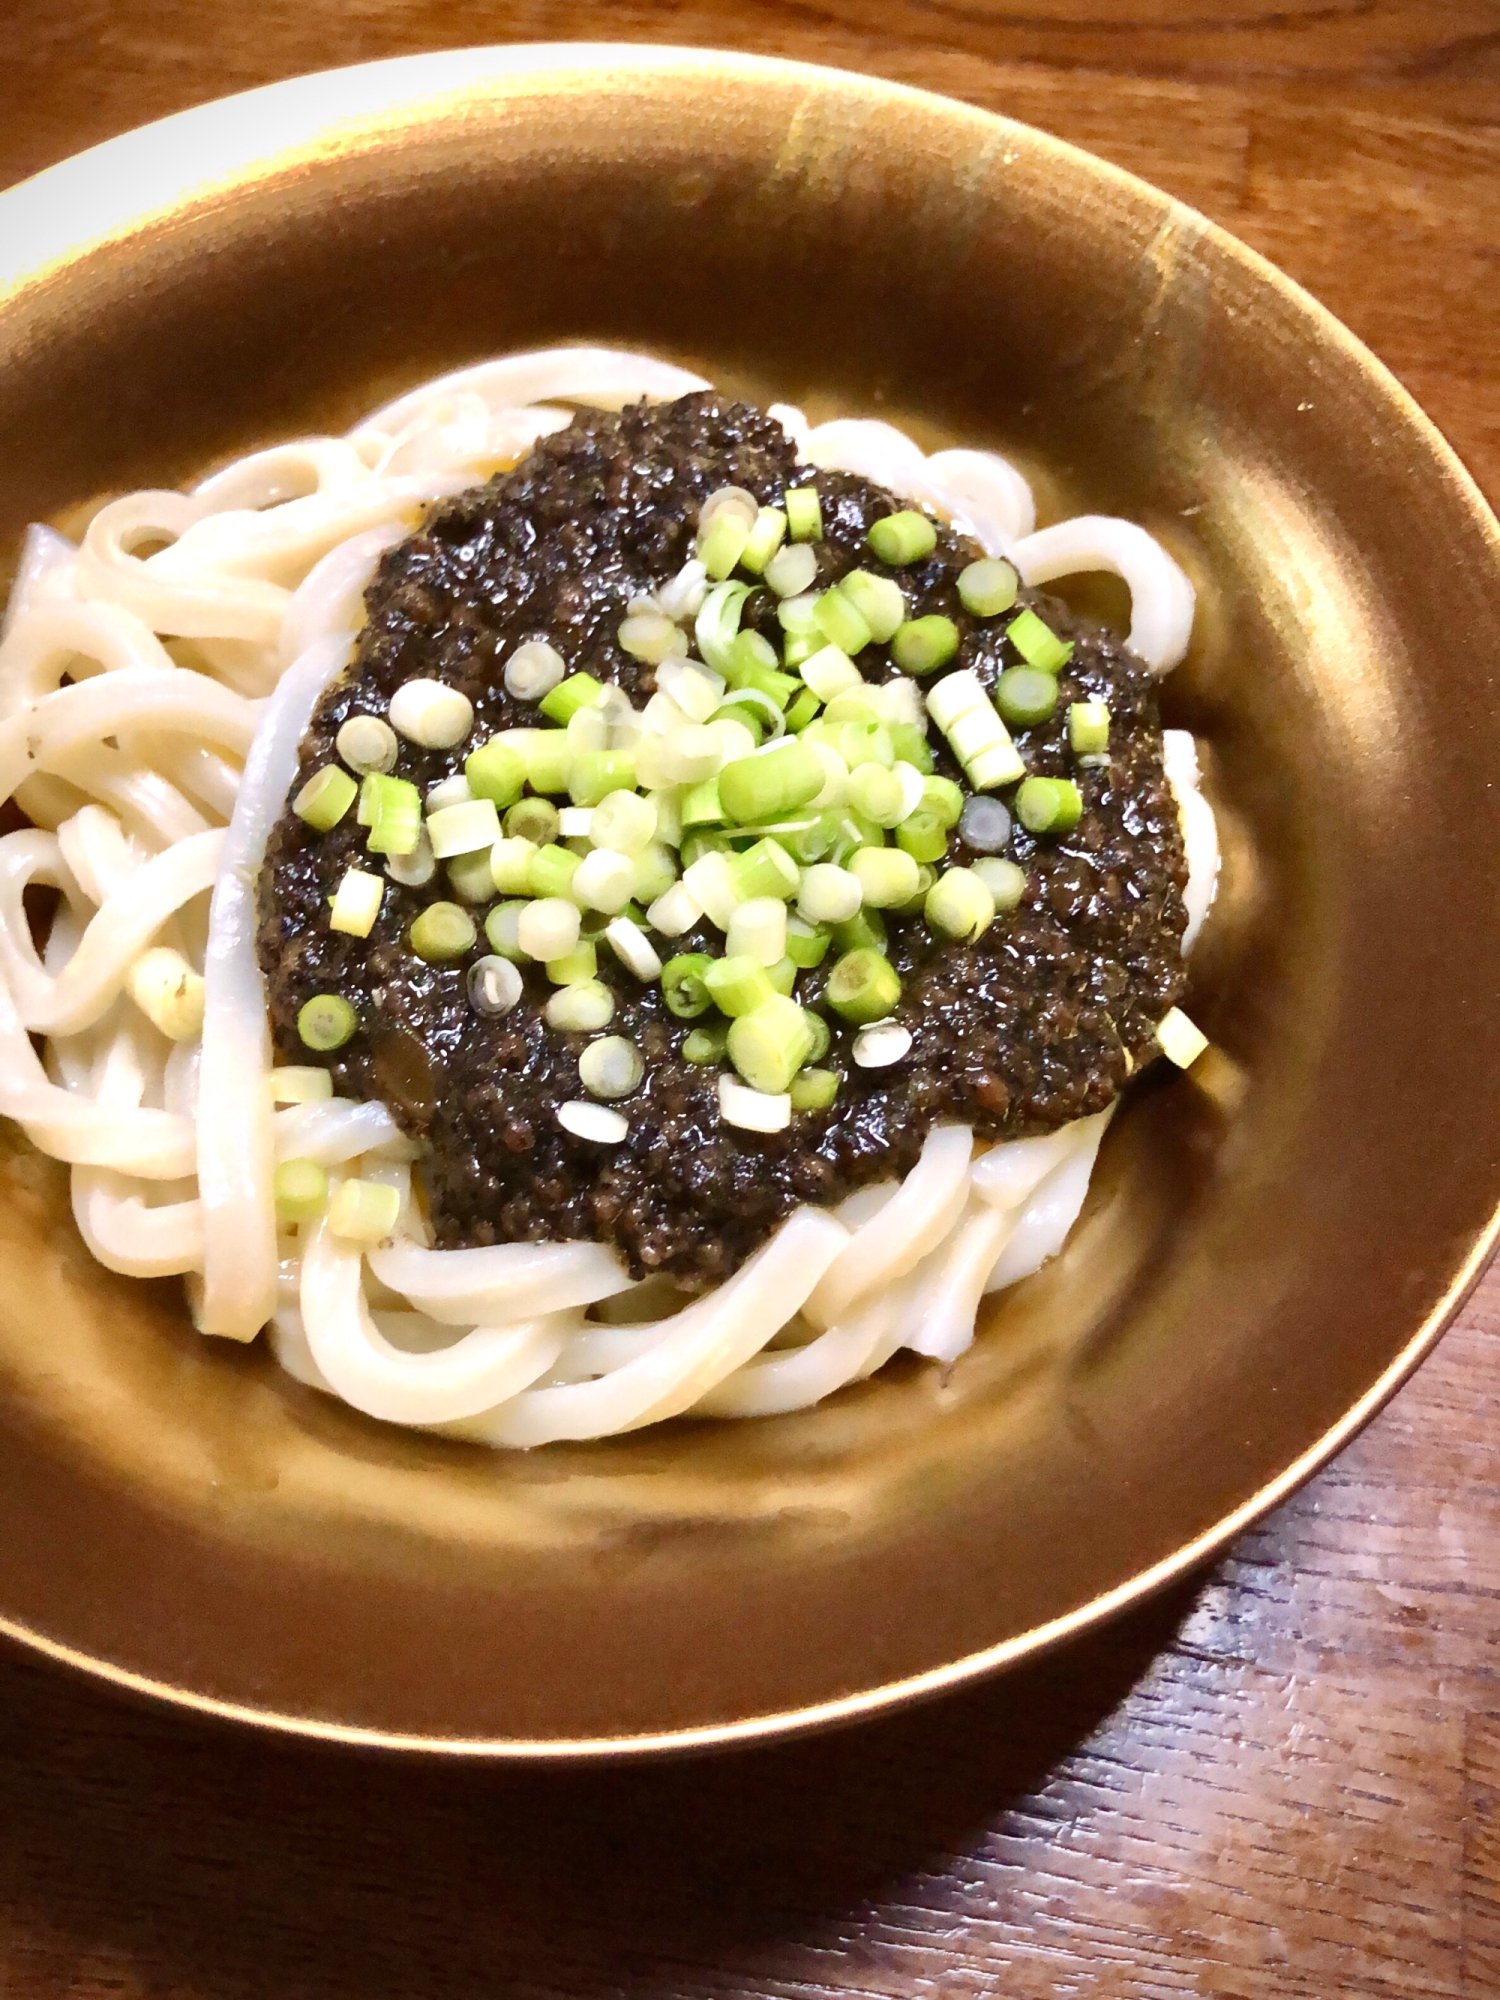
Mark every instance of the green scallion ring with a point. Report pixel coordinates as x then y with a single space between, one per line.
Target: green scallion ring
814 1089
1038 645
987 588
939 795
326 1021
325 798
903 538
822 1036
443 931
534 820
864 986
682 985
705 1045
804 515
299 1189
922 645
1048 805
1025 696
923 835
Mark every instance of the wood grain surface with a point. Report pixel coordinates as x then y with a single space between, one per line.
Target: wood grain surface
1283 1781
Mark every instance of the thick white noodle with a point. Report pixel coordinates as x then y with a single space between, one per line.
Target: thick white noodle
1161 598
235 1142
127 734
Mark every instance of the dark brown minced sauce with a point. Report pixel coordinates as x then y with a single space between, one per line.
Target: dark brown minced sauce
1038 1023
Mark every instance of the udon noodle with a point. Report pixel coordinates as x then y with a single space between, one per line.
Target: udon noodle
155 681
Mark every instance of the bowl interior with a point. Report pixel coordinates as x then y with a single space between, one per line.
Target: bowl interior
1266 1245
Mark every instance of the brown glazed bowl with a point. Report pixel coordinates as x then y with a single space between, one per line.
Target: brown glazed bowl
1271 1244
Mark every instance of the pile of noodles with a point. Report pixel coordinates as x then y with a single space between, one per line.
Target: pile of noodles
151 709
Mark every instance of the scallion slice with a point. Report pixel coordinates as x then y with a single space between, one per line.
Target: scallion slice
1038 645
863 986
922 645
737 985
770 1043
813 1089
1049 805
441 932
1025 696
326 1022
682 984
906 537
561 703
804 515
987 588
325 798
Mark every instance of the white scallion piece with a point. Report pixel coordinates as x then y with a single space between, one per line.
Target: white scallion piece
878 1047
633 948
711 883
356 903
651 636
463 829
548 928
735 739
693 752
757 929
603 881
432 714
980 740
901 700
829 894
364 1211
298 1083
676 910
623 822
575 823
682 598
582 1009
588 729
452 791
594 1122
792 570
1182 1041
367 744
494 985
168 992
416 869
611 1067
753 1110
830 672
912 784
835 777
696 690
533 669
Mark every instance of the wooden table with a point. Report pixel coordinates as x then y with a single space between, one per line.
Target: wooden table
1282 1781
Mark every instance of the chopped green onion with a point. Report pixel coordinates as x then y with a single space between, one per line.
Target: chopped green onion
633 948
1038 645
806 944
804 516
792 570
841 622
886 875
723 545
770 1044
580 1010
653 872
549 760
471 876
864 931
958 905
603 881
830 672
548 928
922 645
718 623
623 822
813 840
597 773
758 930
909 741
766 537
765 870
497 771
711 882
979 739
431 713
828 894
923 835
611 1067
682 984
299 1189
799 647
533 820
1049 805
863 987
1182 1041
705 1045
813 1089
326 1022
700 804
866 743
1025 696
510 866
768 785
325 798
906 537
675 910
802 711
297 1083
562 703
987 588
1088 728
574 967
651 636
822 1035
367 744
356 904
939 795
737 985
877 793
493 986
782 975
750 654
441 932
363 1211
503 929
395 814
552 870
878 600
464 828
532 670
1005 881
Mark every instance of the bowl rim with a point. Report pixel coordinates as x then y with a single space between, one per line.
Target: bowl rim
122 184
